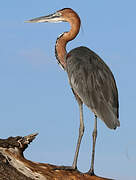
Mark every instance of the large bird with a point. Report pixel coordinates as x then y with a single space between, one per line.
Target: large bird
91 80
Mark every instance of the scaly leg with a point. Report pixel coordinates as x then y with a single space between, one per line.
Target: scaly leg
94 134
81 132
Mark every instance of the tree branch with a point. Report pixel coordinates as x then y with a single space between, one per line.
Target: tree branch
14 166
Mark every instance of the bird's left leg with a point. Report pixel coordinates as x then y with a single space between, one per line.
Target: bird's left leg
91 171
81 132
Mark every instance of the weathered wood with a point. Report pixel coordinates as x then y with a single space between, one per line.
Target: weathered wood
14 166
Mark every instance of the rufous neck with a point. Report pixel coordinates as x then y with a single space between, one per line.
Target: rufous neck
62 40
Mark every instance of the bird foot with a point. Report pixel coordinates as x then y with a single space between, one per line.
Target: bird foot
67 168
91 172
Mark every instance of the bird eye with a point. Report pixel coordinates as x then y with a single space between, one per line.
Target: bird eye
59 14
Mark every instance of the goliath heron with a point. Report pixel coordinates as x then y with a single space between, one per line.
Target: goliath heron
91 80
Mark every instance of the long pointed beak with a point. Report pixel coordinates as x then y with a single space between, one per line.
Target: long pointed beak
56 17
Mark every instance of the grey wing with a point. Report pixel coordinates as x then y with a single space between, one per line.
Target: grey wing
95 85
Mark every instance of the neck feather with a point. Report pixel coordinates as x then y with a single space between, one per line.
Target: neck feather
63 39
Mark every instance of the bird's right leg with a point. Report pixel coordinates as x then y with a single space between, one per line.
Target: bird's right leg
81 132
91 171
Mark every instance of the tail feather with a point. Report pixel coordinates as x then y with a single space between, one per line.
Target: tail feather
106 114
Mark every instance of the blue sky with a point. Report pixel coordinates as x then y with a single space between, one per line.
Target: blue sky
35 95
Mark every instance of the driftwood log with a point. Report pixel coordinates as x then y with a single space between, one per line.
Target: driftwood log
14 166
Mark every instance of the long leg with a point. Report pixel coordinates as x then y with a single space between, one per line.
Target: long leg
81 132
94 134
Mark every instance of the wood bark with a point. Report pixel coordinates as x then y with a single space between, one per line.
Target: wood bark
14 166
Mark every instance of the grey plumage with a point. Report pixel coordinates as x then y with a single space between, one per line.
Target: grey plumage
92 80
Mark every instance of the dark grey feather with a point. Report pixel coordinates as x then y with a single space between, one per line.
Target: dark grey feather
94 83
